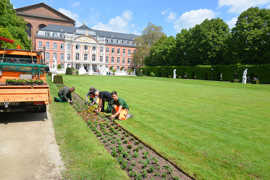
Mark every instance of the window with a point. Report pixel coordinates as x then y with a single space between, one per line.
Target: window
129 60
123 61
106 40
117 41
124 51
68 46
62 57
129 52
68 57
107 59
47 56
94 48
54 56
93 57
107 50
61 46
101 49
85 57
112 50
77 46
39 44
47 45
54 45
134 52
118 51
111 41
118 67
85 47
122 41
118 59
77 56
47 34
112 60
54 34
101 58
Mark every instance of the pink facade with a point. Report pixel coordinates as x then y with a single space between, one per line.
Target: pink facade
54 51
124 56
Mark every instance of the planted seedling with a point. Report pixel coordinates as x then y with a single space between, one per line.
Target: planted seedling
140 147
156 174
104 141
130 168
129 146
145 155
132 174
150 169
168 168
125 141
144 173
133 163
136 142
114 154
124 154
124 164
154 161
176 178
163 175
120 149
135 155
139 177
136 149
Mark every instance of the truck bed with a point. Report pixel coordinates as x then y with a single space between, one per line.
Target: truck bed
24 93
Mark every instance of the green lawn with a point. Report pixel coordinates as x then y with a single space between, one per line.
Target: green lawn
84 157
212 130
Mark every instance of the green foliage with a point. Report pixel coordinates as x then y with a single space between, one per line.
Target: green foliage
58 79
150 35
250 41
229 72
12 26
24 82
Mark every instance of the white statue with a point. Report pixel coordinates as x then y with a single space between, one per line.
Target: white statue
82 70
174 74
221 76
244 78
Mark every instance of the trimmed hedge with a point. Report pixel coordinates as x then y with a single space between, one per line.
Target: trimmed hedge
58 79
206 72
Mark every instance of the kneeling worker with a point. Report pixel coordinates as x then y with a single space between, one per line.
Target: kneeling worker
104 96
120 107
90 96
65 95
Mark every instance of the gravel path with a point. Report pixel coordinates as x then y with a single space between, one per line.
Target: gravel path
28 150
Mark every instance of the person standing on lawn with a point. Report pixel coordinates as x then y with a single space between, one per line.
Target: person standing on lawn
65 95
103 97
120 108
90 96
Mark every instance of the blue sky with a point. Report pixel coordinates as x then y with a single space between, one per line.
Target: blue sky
132 16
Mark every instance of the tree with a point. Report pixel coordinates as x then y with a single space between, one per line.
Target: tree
203 44
12 26
162 52
150 35
250 37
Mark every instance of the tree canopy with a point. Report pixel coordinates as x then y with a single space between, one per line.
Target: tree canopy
213 43
12 26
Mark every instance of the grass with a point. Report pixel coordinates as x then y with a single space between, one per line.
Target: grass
84 157
212 130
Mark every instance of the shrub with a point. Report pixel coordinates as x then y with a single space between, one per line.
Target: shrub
69 71
58 79
152 74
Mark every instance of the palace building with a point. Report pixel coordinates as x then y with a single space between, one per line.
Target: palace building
93 51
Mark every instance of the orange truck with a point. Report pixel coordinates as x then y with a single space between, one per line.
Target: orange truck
23 85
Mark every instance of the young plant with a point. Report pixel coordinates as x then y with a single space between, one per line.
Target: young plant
124 164
154 161
136 142
150 169
125 141
129 146
176 178
133 163
132 174
114 153
124 154
135 155
130 168
144 173
145 155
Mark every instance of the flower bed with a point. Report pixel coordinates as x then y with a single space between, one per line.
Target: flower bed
138 159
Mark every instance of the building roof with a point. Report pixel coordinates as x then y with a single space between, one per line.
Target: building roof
106 34
20 11
57 28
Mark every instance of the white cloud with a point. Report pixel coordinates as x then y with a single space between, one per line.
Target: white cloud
171 16
191 18
76 4
73 16
164 12
232 22
237 6
117 24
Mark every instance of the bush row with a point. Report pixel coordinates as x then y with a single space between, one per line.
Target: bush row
208 72
58 79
